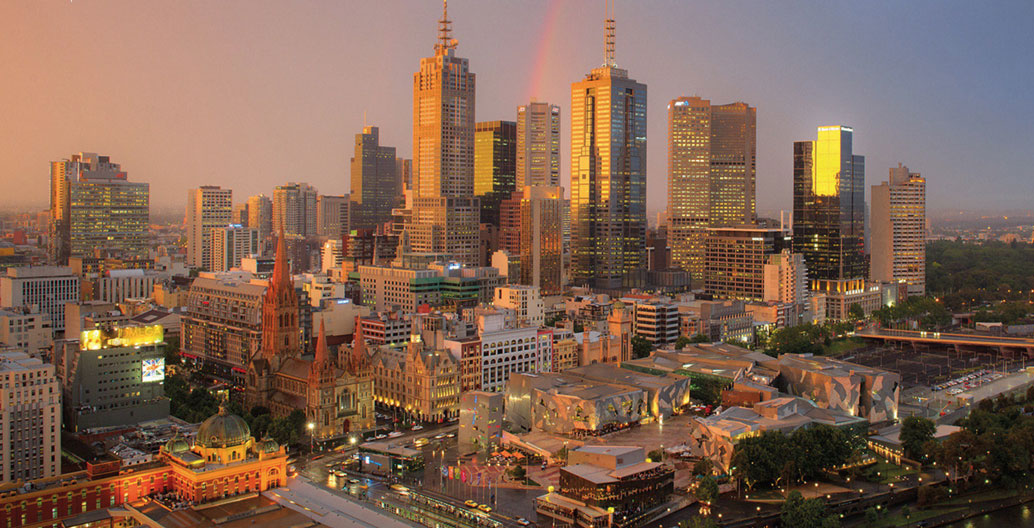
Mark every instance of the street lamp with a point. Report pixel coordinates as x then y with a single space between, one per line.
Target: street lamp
311 426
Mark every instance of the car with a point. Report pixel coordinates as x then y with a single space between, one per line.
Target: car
399 488
450 435
439 436
339 473
470 503
523 522
394 434
485 508
353 481
417 427
420 442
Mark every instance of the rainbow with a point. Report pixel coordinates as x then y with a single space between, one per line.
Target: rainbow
547 36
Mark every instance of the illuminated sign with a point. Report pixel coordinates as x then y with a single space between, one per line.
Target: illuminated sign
152 370
127 336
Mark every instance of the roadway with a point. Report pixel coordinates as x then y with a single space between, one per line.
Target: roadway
943 338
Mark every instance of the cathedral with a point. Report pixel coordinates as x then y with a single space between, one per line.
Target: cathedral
336 393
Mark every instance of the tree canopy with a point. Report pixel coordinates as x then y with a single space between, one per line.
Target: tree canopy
803 455
916 431
806 513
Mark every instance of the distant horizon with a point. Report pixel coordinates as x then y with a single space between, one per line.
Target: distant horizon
250 95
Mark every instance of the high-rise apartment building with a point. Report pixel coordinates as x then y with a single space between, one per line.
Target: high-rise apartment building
735 258
260 215
240 214
375 187
445 214
94 206
538 144
30 419
295 209
44 288
495 165
541 238
711 174
222 327
231 243
786 278
608 175
898 243
208 207
829 209
335 216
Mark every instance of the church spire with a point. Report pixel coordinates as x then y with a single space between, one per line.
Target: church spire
281 273
322 355
321 369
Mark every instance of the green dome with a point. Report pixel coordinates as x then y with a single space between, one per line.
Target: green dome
177 444
222 430
270 446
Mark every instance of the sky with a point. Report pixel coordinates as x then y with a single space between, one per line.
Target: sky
249 94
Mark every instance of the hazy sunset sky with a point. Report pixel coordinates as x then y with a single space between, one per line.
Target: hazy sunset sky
249 94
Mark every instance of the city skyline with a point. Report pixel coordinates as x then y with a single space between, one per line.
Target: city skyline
236 126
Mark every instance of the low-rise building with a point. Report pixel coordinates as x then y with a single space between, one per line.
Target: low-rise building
726 320
656 321
481 421
25 329
526 301
606 486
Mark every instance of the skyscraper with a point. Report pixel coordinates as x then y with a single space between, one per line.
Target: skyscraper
898 244
231 243
711 174
294 208
375 183
208 207
94 206
445 214
260 215
541 237
538 144
829 209
608 175
495 166
335 216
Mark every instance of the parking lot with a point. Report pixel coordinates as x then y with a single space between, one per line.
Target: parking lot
932 367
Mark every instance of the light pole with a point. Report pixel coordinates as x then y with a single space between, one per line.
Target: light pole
311 426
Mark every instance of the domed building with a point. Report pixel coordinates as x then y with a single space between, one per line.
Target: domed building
224 460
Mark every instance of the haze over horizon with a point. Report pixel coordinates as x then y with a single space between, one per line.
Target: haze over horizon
253 94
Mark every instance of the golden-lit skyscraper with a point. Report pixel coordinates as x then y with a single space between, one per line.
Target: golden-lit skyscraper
608 176
538 144
829 209
94 207
495 153
541 235
445 214
711 174
898 239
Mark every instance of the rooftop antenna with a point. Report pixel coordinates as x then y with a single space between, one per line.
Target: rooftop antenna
364 119
445 40
608 29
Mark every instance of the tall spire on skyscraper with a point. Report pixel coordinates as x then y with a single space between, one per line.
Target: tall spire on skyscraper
608 33
445 40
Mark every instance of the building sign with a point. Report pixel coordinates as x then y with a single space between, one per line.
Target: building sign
152 370
126 336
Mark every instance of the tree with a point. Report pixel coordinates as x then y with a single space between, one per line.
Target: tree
656 455
561 455
805 513
641 347
855 312
872 516
682 341
707 490
906 512
800 339
916 431
518 473
703 467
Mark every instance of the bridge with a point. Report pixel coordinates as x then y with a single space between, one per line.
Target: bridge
960 342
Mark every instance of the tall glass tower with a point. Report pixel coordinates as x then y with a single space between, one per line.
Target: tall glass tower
829 209
608 176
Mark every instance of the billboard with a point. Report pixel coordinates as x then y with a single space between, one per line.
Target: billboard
152 370
126 336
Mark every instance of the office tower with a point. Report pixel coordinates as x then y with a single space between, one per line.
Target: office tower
509 235
208 207
294 208
335 216
541 238
538 144
222 326
94 207
445 214
46 288
375 186
608 175
240 214
114 376
735 258
404 173
829 209
899 230
786 278
231 243
260 215
711 174
495 165
30 419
